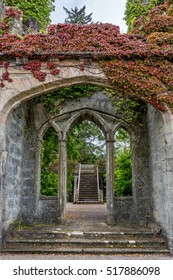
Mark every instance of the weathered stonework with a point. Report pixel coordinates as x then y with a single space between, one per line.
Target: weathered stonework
161 169
12 178
23 124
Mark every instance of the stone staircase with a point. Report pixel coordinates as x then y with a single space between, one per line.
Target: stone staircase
53 239
88 187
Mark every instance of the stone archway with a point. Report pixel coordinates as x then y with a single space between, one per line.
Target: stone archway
100 109
26 201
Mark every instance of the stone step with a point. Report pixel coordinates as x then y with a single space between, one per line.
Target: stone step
89 194
88 190
88 202
85 243
85 175
51 238
102 251
85 198
88 183
39 232
89 187
84 189
87 178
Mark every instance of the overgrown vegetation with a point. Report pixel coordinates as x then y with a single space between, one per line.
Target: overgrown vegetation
136 9
39 10
53 101
49 163
138 65
123 163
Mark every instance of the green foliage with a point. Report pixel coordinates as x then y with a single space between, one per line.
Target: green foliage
123 164
67 93
88 142
78 16
133 109
123 174
49 164
136 8
39 10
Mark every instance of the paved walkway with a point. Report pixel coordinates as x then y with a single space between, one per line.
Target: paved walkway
85 216
92 217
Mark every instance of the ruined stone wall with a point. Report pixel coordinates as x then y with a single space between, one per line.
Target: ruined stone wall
29 190
161 169
138 207
13 170
141 182
124 210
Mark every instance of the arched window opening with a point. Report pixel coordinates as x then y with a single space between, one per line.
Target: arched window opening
49 163
123 163
86 145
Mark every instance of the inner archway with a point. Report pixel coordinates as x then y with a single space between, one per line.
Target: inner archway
86 171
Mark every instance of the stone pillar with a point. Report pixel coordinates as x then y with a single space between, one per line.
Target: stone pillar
3 157
110 181
17 26
62 176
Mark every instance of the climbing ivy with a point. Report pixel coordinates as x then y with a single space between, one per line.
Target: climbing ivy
10 14
130 108
137 8
53 101
140 65
39 10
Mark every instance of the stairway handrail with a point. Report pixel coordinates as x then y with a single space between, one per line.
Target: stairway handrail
77 185
75 188
100 192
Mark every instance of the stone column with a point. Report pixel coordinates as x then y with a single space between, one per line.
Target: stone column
110 180
62 176
3 157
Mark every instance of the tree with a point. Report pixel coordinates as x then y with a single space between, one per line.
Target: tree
86 143
39 10
78 16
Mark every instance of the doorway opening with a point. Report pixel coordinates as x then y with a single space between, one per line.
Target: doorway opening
86 183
